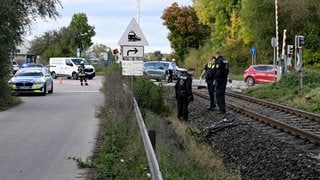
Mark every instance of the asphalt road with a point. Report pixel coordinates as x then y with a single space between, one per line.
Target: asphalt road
39 137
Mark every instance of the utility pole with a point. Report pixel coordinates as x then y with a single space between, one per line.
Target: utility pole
277 31
138 12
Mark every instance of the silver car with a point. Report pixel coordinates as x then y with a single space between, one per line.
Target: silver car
31 80
154 70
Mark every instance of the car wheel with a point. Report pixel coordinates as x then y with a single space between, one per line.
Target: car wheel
51 90
74 75
44 91
250 81
54 75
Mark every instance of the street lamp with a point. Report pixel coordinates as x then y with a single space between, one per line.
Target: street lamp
80 44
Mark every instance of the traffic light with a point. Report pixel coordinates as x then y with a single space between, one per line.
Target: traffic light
301 41
115 51
290 49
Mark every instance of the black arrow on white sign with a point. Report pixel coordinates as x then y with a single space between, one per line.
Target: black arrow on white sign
135 50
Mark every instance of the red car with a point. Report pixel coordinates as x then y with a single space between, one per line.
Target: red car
261 73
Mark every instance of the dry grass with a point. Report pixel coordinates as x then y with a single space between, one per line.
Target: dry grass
178 152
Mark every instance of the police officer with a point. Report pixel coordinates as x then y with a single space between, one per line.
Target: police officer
184 96
82 74
170 73
209 71
221 79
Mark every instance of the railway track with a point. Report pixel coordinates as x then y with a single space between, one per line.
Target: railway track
296 122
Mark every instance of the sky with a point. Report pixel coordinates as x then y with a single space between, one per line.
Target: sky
111 18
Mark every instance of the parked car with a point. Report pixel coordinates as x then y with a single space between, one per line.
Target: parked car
177 72
170 65
31 80
180 72
154 70
261 73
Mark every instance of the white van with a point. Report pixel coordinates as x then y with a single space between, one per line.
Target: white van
68 67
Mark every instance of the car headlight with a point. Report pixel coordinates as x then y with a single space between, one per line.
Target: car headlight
40 81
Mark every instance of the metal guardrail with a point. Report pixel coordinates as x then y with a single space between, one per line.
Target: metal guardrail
151 156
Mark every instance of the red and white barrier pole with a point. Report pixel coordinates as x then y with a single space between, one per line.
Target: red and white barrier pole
277 29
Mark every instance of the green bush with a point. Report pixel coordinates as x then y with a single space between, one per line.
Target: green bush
6 99
150 96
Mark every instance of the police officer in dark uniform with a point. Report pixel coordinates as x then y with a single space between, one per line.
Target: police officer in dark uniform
221 79
82 74
184 96
209 71
170 73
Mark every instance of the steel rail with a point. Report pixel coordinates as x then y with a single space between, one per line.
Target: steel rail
271 121
298 112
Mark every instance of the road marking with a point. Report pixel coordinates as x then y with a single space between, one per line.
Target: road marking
77 92
76 83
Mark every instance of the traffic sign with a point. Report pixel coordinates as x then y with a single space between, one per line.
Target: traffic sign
133 35
273 42
132 68
253 51
132 51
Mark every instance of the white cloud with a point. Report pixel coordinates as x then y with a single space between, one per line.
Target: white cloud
111 18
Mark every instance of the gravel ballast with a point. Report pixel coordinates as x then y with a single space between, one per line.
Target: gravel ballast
254 150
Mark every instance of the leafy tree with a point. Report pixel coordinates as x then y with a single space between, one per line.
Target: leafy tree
299 17
82 31
100 50
155 56
227 31
185 30
15 18
46 42
259 21
216 14
65 41
238 25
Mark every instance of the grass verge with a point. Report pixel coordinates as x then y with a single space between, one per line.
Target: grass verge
287 91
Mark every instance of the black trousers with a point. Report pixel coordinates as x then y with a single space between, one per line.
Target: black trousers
170 77
182 104
212 93
83 78
220 94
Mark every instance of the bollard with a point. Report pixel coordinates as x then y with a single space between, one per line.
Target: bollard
152 137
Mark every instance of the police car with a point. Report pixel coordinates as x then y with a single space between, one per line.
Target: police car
31 80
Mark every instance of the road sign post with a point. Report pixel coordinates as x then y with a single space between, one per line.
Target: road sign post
274 45
253 52
299 43
132 44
